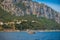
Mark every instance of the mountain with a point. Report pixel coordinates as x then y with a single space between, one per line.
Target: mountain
38 16
29 7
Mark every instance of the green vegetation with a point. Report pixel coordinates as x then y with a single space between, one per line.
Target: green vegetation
1 1
7 26
39 24
21 5
5 16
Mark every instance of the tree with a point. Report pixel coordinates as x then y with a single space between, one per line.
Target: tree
6 26
1 1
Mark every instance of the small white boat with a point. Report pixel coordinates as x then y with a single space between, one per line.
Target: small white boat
30 32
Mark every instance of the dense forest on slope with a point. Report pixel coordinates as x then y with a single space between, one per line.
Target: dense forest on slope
4 16
39 24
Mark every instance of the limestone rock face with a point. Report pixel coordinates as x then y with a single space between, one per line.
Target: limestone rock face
31 8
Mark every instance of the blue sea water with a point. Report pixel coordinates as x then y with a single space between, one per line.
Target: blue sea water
27 36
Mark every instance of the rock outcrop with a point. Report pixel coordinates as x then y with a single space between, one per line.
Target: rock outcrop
28 7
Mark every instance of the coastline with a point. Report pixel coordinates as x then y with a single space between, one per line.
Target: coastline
32 31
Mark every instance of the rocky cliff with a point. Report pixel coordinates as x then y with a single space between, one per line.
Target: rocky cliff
29 7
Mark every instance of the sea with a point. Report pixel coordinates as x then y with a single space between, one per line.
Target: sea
27 36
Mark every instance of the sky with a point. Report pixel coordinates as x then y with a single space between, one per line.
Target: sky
54 4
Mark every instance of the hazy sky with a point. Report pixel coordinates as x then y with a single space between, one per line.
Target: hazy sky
55 4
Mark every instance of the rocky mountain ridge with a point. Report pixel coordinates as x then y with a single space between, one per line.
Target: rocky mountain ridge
28 7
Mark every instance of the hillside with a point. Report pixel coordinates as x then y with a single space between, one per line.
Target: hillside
29 7
39 24
33 22
4 16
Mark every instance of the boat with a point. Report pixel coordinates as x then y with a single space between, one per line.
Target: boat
30 32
